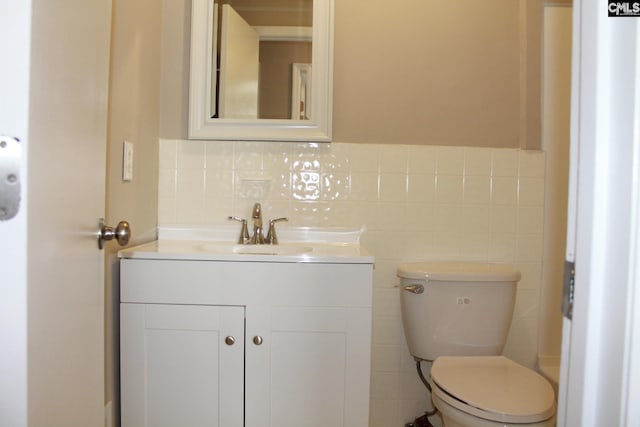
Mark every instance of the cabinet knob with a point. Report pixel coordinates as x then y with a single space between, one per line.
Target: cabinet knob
230 340
257 340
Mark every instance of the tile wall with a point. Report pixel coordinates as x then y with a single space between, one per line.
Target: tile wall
417 203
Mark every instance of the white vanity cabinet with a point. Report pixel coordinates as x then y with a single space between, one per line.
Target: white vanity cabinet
177 369
255 344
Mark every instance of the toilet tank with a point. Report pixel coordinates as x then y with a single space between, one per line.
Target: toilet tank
456 309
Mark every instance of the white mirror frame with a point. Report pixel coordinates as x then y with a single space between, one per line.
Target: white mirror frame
202 126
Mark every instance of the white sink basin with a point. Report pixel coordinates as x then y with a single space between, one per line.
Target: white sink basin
281 249
299 245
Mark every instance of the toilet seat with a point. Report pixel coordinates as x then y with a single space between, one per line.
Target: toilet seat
493 388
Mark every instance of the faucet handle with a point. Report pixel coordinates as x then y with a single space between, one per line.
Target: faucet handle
272 238
244 231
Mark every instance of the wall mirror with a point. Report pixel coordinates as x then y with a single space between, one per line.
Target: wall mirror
261 70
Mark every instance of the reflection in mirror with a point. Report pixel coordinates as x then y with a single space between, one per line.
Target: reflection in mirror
276 87
257 45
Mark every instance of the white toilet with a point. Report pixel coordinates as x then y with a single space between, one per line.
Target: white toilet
458 316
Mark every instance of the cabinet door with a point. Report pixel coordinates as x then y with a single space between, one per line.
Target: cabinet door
177 370
311 369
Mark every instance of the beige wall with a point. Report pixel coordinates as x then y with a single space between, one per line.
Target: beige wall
427 72
174 95
134 99
276 74
557 109
410 72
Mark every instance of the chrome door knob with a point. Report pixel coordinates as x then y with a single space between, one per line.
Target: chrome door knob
257 340
122 233
230 340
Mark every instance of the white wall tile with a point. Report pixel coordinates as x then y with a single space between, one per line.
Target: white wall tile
474 219
278 209
393 187
504 162
417 203
450 160
422 159
167 210
217 211
449 189
391 216
503 219
219 155
477 190
277 156
190 182
191 156
449 218
383 412
393 159
421 187
249 155
530 219
363 157
280 187
420 217
477 161
386 330
364 186
502 247
529 248
190 209
531 191
385 358
504 190
362 213
167 183
168 154
386 302
219 183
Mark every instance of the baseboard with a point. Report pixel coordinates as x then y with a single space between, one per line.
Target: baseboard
108 415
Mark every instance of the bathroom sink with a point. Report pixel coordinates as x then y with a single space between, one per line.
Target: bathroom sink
281 249
299 245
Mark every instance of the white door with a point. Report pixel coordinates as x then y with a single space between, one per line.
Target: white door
600 374
239 67
15 19
182 365
55 61
307 366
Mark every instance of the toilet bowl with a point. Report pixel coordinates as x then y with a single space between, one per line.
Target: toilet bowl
458 315
490 391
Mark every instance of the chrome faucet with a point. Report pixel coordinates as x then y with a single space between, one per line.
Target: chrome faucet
258 232
244 232
272 238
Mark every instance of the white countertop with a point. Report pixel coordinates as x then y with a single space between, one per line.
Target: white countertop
322 246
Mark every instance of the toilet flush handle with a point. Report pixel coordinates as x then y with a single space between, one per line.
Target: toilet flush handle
416 289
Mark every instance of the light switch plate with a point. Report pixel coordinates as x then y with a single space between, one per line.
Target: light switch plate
127 161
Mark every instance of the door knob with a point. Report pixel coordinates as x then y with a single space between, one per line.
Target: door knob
257 340
122 233
230 340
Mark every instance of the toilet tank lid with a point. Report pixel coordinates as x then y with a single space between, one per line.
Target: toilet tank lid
459 271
